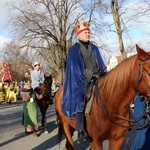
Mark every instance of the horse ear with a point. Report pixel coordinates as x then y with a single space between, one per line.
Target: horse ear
50 76
142 55
51 80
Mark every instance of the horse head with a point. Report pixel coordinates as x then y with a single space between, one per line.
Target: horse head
143 82
45 88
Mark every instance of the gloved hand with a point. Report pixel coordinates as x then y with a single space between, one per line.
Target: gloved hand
98 74
40 84
95 75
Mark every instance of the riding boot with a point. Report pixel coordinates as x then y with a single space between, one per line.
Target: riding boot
82 136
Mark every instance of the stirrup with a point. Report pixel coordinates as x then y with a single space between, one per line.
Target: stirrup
82 137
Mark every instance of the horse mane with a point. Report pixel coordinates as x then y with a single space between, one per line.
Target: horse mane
118 78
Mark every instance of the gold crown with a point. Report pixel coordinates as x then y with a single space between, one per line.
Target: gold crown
81 27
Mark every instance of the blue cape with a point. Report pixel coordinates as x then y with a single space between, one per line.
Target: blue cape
75 82
138 139
141 137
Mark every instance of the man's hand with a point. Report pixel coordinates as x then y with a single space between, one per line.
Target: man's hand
95 75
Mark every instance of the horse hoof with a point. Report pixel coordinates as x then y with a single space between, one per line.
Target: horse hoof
46 132
35 135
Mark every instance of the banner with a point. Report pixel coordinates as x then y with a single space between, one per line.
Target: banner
4 72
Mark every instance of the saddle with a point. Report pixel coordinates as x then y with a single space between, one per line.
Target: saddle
88 97
89 93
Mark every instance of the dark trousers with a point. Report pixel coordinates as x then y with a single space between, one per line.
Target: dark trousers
79 121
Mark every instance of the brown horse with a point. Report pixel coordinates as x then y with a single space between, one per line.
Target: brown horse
114 92
44 99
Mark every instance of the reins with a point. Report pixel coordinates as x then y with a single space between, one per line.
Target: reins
45 90
107 113
144 78
133 121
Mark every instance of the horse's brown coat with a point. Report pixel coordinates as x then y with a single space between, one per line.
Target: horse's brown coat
117 89
44 98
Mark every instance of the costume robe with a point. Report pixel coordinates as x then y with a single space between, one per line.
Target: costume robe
142 136
75 82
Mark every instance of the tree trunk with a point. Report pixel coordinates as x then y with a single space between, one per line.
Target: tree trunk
116 18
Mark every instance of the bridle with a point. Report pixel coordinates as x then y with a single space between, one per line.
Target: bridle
141 69
46 88
132 121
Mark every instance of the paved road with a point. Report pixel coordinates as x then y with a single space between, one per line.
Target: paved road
12 135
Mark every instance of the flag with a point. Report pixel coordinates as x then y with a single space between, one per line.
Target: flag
4 72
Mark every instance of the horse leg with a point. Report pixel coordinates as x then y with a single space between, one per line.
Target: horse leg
43 121
116 144
45 125
43 116
96 144
69 133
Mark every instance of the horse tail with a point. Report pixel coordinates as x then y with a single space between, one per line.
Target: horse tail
60 133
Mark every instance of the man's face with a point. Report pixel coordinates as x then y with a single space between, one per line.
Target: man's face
84 36
37 67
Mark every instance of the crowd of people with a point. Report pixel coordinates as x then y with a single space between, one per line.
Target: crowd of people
10 92
30 93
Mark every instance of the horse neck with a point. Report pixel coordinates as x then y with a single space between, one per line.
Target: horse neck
118 86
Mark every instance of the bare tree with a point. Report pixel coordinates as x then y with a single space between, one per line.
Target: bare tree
19 63
117 22
127 16
46 27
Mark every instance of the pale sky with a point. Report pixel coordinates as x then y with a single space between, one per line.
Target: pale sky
140 35
5 35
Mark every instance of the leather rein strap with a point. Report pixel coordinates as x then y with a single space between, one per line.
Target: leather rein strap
144 78
133 121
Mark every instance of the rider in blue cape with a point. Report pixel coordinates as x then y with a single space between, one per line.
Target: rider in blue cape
84 63
142 136
138 139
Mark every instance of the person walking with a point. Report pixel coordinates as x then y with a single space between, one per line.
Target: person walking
30 113
84 64
7 89
12 93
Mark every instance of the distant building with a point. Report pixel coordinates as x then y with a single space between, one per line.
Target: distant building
115 60
131 54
